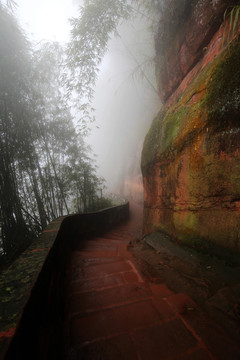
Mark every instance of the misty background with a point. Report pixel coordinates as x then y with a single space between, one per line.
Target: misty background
126 102
125 99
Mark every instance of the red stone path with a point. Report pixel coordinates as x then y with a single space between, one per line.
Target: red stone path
114 313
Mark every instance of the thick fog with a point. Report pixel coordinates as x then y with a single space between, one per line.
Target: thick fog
46 20
125 98
126 101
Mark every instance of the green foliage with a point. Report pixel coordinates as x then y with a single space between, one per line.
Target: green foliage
223 99
233 15
100 203
15 129
97 22
90 34
44 162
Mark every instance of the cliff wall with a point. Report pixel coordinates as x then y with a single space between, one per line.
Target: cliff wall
191 154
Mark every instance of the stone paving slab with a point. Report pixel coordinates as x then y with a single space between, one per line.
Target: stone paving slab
194 354
114 313
100 252
115 348
100 270
81 286
106 323
212 335
89 259
163 341
105 298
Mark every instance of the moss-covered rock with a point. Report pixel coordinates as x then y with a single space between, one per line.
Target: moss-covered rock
223 97
191 158
185 30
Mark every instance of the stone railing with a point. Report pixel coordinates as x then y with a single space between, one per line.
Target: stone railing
33 287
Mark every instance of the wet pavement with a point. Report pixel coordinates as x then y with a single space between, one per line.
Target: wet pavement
114 311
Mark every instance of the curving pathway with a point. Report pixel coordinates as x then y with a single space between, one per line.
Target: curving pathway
114 313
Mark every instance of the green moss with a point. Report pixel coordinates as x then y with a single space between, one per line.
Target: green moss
187 221
187 116
172 123
200 244
193 126
223 98
196 242
152 141
165 130
162 227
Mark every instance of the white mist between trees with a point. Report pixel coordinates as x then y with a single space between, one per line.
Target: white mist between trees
47 169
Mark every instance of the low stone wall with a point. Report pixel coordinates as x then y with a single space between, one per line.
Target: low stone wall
32 288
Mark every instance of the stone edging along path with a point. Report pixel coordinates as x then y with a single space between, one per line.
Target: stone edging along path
17 281
32 288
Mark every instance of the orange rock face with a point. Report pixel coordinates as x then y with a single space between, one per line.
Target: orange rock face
191 155
189 45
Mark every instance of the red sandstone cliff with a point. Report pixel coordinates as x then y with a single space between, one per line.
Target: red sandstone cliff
191 155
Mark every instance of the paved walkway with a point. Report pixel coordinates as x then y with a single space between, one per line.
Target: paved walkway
114 313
